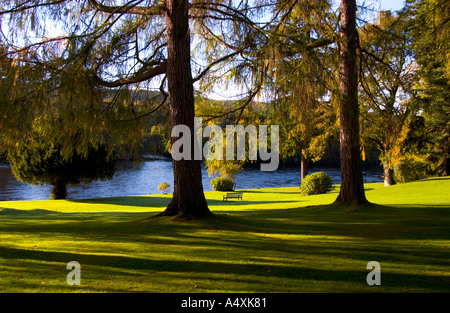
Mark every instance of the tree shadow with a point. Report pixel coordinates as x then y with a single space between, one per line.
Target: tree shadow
162 202
260 236
25 213
109 262
140 201
232 202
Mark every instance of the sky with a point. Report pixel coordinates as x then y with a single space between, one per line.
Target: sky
391 4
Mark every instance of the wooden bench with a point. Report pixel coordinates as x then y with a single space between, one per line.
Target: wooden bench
234 195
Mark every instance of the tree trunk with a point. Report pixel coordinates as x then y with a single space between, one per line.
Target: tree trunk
304 166
59 190
446 167
188 197
352 186
388 173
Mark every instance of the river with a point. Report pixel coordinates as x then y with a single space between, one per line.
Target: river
129 180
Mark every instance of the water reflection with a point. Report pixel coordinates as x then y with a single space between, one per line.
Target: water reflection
129 180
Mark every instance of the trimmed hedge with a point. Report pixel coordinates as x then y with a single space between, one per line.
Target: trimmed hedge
316 183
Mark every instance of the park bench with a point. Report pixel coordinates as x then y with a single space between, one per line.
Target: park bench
234 195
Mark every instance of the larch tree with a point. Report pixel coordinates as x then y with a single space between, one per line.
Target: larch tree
97 55
352 184
303 81
346 39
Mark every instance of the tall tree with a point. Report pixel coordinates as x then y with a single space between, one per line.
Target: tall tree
430 29
303 83
352 188
108 50
188 197
386 77
352 185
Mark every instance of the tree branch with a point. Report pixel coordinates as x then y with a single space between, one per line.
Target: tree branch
22 7
211 65
146 75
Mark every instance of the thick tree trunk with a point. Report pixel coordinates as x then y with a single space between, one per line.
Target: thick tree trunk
352 186
388 174
304 166
446 167
188 197
59 190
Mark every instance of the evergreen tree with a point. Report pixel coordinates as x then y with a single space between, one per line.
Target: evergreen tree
35 160
430 29
303 83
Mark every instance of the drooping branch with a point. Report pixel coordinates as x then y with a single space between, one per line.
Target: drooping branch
211 65
143 76
301 47
21 8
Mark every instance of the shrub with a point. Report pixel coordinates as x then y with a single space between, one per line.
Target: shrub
164 187
316 183
222 184
409 170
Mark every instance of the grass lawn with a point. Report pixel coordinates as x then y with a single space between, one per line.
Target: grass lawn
273 241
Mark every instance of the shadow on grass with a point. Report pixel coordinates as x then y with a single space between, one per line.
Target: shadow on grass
373 221
234 270
233 202
386 234
30 213
141 201
162 202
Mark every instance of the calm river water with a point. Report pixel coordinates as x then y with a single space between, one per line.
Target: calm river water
129 180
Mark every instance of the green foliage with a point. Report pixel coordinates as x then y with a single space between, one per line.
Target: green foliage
429 28
164 188
385 85
35 160
316 183
409 170
225 168
301 79
160 138
222 184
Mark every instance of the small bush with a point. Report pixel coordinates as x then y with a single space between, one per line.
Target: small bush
222 184
409 170
316 183
164 188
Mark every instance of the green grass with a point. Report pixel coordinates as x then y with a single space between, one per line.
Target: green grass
273 241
